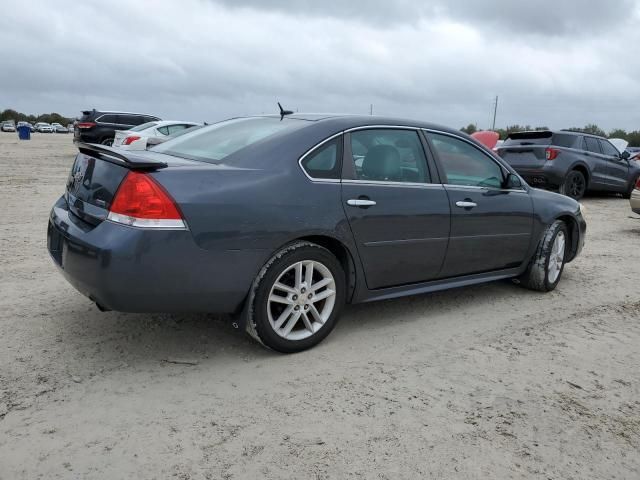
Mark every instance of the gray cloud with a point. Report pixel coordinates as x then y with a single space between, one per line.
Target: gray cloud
205 60
549 17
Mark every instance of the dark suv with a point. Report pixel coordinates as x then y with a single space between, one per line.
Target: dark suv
99 126
571 162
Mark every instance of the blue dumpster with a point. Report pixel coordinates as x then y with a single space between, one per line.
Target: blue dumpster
24 132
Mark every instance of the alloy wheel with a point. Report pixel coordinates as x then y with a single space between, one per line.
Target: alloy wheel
556 257
301 300
576 185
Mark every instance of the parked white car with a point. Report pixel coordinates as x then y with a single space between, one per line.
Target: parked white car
43 127
137 137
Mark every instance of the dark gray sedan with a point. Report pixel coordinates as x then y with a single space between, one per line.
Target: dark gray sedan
280 221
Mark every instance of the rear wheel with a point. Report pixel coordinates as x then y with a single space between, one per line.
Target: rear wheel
545 269
575 185
298 297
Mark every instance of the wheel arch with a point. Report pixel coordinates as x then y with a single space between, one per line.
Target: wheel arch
574 234
342 253
584 169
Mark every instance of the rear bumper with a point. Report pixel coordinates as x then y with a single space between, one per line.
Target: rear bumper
547 176
138 270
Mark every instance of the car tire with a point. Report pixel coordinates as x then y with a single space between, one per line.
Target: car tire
107 141
632 186
296 320
574 185
545 269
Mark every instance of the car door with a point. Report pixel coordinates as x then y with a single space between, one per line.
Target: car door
617 168
491 227
597 162
397 209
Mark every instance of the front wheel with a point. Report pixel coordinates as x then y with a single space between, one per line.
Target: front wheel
546 266
298 296
575 185
107 141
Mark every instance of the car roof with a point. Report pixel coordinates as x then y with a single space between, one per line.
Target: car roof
347 121
162 123
87 112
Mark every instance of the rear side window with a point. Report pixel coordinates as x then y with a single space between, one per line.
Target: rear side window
323 162
390 155
591 145
464 164
108 118
177 128
568 141
164 130
132 119
608 149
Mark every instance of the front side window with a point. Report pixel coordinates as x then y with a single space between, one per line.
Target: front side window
609 149
323 161
465 164
390 155
591 145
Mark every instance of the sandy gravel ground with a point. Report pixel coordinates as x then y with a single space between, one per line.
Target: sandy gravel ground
486 382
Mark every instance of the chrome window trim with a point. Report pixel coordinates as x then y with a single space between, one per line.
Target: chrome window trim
311 150
474 187
392 127
97 120
386 183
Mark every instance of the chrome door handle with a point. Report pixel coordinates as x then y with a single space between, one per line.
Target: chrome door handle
466 204
359 202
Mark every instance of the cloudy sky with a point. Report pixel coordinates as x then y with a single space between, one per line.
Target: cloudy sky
558 63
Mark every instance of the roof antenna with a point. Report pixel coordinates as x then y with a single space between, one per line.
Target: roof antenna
284 112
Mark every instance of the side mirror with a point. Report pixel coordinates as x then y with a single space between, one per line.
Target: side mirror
512 182
625 155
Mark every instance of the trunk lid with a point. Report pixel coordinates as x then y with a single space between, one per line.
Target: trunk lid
526 156
97 173
120 136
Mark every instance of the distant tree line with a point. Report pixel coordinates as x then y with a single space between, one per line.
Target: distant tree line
10 114
632 137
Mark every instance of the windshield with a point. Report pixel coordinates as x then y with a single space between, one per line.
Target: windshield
144 126
213 143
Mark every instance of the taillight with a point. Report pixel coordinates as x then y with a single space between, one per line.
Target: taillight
551 153
130 140
141 202
638 183
86 124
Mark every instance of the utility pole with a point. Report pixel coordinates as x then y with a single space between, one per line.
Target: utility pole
371 109
495 112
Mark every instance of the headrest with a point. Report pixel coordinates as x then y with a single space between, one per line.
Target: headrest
382 162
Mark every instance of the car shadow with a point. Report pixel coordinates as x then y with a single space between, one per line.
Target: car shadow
112 340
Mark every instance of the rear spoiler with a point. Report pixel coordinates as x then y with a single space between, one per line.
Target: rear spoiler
125 159
530 134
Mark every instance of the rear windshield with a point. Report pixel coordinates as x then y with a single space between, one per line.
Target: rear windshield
215 142
144 126
542 138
